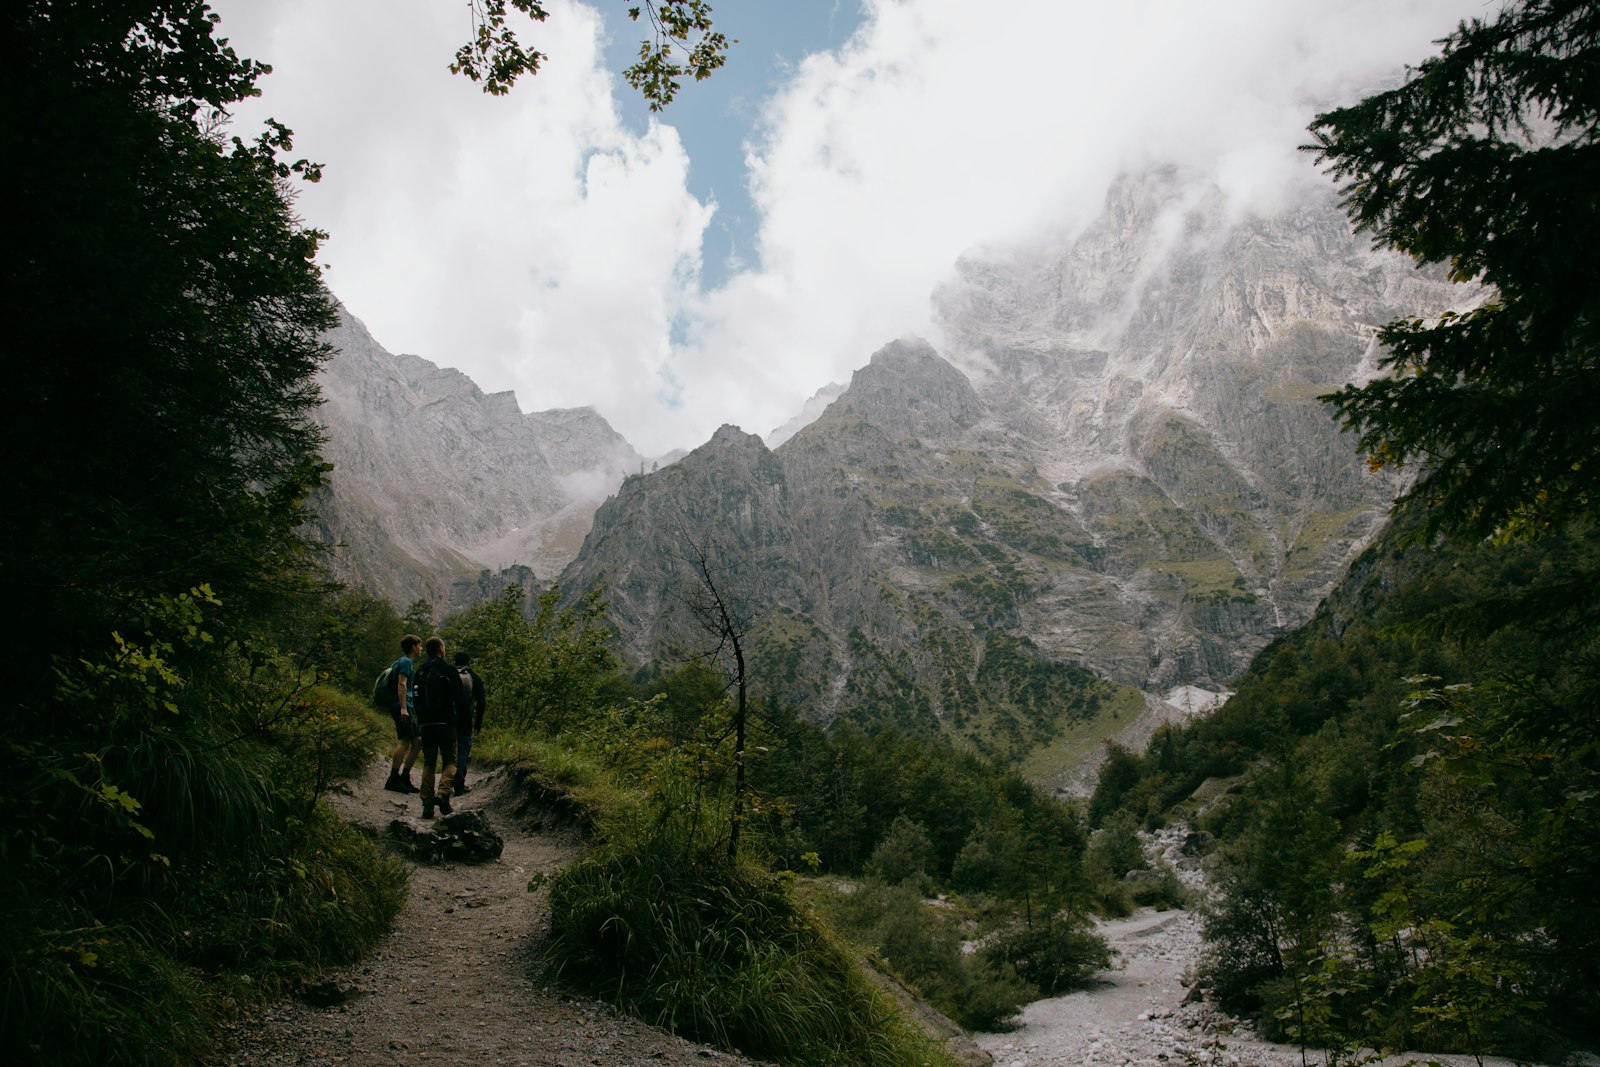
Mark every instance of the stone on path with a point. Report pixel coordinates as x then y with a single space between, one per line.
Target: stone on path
465 837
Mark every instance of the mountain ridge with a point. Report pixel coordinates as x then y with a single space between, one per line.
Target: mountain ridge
437 487
1110 473
1118 464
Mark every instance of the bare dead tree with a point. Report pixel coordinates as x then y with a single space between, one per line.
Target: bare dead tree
727 618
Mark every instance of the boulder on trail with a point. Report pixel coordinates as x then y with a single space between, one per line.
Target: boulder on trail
464 836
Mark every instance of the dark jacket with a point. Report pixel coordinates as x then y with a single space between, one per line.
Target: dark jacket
440 700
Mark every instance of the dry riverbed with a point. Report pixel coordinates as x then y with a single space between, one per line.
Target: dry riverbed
1138 1014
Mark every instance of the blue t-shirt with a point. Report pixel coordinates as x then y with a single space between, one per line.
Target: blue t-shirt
403 668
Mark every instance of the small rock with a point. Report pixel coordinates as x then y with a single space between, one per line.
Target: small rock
328 993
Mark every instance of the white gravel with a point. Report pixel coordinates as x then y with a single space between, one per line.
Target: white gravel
1138 1015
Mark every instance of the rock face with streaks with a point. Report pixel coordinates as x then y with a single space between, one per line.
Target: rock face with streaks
1112 472
437 487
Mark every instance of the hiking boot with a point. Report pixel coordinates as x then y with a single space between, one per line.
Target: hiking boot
444 805
461 789
395 784
427 809
405 784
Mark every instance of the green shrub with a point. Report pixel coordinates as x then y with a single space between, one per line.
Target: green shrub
1160 888
1113 899
903 855
1115 849
922 946
1053 957
990 996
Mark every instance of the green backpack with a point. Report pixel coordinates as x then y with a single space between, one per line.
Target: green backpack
383 689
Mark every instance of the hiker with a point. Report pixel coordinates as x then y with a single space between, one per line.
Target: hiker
440 703
408 739
470 722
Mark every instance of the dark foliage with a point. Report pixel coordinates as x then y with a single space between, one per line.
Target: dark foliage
162 313
1464 737
1487 158
163 308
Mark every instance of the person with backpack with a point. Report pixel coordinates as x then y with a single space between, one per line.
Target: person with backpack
440 703
395 693
468 724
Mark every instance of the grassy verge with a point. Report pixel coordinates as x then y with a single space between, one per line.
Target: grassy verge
115 953
658 920
1080 738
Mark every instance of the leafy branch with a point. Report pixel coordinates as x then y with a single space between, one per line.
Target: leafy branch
683 42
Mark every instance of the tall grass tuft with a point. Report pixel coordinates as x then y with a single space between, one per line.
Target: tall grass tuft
660 922
321 895
73 991
167 858
150 987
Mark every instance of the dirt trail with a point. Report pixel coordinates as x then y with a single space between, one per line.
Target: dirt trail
453 981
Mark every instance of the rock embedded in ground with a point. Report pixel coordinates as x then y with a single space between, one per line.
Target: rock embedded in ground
464 836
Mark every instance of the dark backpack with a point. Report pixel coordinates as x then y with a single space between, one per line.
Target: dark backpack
438 688
383 689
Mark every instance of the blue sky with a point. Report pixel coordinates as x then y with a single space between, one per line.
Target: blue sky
723 261
714 117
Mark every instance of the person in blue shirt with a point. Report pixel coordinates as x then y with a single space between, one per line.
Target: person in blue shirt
408 735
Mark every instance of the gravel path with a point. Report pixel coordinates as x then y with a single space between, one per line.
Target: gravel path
453 983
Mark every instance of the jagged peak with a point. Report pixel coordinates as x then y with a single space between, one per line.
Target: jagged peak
813 409
583 413
906 381
730 436
502 404
434 382
910 348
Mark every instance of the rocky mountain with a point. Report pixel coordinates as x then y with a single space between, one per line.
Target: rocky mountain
437 487
1113 472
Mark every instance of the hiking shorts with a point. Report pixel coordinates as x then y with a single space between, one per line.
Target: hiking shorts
405 728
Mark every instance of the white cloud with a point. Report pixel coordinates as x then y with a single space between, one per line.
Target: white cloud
529 240
536 244
944 124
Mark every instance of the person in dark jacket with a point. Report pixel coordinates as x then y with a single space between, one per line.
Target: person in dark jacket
470 723
440 702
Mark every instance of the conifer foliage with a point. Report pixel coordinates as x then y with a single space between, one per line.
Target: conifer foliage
1487 159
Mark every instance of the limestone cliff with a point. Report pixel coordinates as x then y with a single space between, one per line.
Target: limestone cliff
435 483
1114 469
